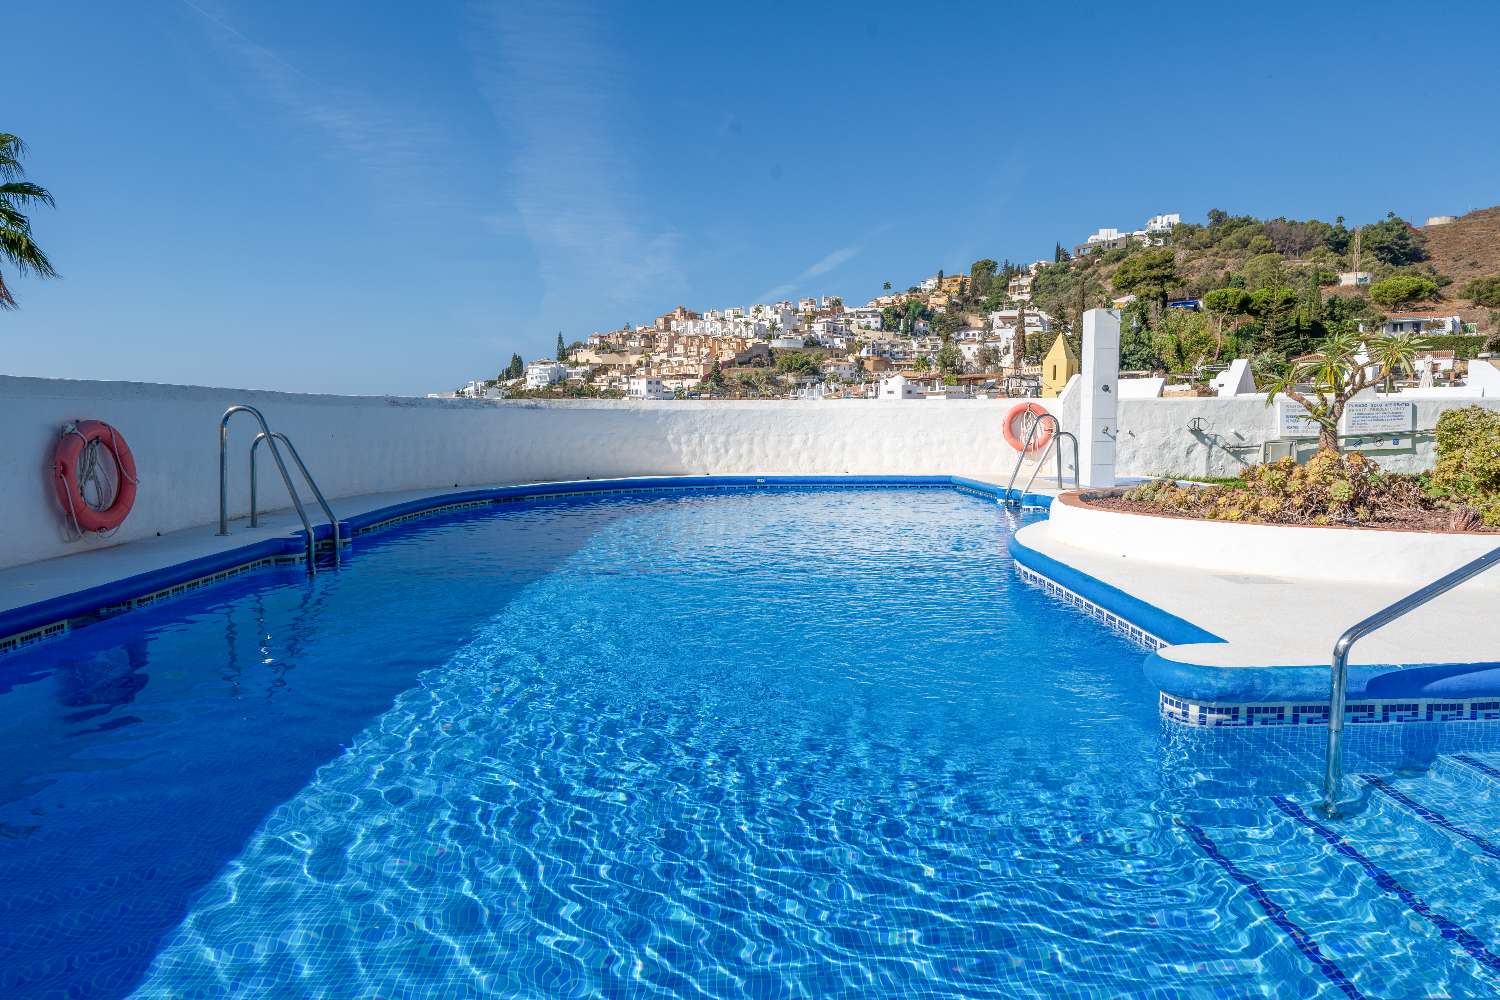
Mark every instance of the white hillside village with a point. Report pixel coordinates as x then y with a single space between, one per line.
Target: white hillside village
958 336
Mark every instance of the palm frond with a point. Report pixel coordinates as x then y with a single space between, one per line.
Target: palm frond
24 192
17 246
12 149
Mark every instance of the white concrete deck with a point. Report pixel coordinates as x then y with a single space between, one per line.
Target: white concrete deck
1280 621
39 581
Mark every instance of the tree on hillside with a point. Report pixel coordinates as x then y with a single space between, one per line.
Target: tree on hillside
17 248
1325 382
1150 274
1401 289
1264 270
1393 241
1183 339
1225 304
562 349
1136 350
1059 254
982 277
1483 292
514 369
796 363
950 360
714 381
886 287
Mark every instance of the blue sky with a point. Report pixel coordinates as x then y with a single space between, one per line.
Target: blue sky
360 198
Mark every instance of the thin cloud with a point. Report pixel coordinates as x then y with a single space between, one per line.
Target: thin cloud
390 148
555 89
827 263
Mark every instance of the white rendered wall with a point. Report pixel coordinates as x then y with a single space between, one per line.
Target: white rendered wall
1299 552
369 444
359 445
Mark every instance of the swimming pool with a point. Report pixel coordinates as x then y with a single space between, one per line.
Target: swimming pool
746 742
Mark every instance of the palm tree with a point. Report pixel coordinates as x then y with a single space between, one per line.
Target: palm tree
1325 382
16 245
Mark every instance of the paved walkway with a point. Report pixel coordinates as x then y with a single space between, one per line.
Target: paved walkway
38 581
1272 620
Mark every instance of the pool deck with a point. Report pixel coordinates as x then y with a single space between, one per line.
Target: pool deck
1275 633
49 579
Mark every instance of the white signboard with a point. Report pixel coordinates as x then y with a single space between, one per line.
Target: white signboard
1377 417
1295 422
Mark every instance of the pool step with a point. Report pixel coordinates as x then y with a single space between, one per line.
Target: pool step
1391 900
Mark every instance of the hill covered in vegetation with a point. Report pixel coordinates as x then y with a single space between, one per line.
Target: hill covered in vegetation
1264 288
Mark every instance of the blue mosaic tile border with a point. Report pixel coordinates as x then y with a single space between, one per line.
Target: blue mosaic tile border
1356 713
1213 715
1124 626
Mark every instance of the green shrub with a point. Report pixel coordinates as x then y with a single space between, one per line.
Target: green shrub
1468 463
1483 291
1328 489
1400 289
1463 345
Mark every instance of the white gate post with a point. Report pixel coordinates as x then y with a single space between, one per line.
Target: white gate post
1100 401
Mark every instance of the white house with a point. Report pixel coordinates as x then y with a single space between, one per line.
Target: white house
540 374
1354 278
1159 224
647 387
473 390
839 368
899 387
1423 323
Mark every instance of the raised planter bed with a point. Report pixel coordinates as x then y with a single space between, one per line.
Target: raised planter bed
1304 552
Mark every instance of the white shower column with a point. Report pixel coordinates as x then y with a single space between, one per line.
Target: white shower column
1099 405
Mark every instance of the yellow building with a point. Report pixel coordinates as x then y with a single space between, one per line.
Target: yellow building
1058 366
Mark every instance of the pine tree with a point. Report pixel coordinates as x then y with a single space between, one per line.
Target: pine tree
562 350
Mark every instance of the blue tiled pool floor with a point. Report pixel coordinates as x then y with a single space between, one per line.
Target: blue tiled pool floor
766 744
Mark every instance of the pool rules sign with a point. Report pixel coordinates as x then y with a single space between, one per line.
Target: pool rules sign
1100 404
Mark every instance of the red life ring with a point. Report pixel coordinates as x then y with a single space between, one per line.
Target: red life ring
74 465
1015 433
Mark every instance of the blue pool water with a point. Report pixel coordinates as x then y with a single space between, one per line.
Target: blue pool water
776 743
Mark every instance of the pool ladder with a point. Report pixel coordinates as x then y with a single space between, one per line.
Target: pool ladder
270 439
1012 498
1333 775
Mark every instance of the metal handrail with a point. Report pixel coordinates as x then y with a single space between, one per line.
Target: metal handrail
280 465
1042 460
306 476
1057 434
1339 668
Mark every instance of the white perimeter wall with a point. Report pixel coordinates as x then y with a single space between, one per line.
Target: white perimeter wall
370 444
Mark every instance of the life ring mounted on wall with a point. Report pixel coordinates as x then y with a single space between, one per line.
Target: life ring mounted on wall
1018 424
95 476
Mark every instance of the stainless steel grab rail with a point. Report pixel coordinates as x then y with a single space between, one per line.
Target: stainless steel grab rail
281 467
1333 776
1052 445
306 476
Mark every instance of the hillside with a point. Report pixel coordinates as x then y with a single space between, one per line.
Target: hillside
1467 248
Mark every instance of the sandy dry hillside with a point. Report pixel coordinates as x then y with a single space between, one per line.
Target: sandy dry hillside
1467 248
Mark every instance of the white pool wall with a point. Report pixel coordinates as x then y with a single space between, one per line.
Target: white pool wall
373 444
